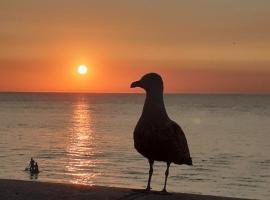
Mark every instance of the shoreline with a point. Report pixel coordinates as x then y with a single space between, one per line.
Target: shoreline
31 190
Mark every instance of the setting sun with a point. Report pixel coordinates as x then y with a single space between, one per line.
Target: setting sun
82 69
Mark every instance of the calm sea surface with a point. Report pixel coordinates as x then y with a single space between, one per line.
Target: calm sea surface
88 139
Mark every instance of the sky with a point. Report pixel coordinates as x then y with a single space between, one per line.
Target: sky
198 46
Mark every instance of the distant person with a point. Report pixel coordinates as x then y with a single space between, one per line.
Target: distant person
31 165
36 170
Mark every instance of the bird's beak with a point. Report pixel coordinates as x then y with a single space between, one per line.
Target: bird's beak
135 84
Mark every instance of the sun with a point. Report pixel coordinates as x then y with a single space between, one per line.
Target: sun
82 69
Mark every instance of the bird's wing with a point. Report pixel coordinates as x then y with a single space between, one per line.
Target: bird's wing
178 146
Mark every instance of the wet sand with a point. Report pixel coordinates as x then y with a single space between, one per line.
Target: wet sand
32 190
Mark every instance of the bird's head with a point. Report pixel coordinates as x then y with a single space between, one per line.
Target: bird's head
151 82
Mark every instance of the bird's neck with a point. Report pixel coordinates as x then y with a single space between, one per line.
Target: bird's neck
154 110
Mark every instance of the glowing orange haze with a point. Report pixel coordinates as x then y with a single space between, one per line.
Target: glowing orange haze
197 46
61 77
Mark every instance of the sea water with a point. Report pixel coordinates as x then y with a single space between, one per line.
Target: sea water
88 139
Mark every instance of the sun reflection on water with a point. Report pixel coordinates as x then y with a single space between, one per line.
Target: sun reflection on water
81 147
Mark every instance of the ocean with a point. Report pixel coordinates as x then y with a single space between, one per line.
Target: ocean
88 139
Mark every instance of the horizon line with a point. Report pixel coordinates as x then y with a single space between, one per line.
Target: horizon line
88 92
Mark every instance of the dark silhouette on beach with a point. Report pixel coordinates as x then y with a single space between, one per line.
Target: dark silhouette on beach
32 167
156 136
36 170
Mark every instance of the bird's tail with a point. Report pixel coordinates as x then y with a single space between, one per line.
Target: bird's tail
189 161
186 161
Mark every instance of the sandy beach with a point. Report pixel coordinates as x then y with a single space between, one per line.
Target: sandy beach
31 190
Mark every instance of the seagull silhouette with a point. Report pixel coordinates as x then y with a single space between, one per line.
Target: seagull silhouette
156 136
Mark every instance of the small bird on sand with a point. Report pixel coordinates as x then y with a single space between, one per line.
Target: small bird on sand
156 136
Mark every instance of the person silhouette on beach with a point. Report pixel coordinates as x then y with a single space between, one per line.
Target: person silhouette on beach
31 165
36 170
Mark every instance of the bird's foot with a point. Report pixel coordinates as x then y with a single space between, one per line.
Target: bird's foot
147 189
164 192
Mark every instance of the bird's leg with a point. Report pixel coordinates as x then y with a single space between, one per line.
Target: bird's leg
166 176
151 163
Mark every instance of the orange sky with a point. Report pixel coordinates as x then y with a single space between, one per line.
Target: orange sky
198 47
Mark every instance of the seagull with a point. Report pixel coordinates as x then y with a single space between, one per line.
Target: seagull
156 136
